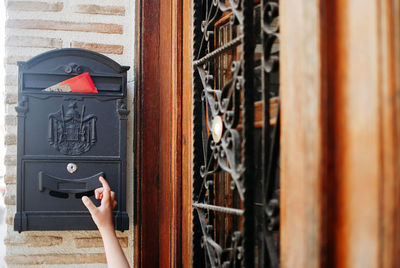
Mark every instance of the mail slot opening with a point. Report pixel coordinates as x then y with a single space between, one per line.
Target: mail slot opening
88 194
58 194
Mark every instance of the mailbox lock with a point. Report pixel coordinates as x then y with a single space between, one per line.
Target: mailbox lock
71 167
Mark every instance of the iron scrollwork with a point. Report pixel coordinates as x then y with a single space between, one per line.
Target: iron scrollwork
122 109
236 154
73 68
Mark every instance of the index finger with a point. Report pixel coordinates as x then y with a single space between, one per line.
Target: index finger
105 184
106 188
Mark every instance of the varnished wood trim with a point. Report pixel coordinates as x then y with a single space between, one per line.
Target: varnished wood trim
187 134
147 115
158 134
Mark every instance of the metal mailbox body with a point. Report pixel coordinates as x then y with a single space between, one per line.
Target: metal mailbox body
67 140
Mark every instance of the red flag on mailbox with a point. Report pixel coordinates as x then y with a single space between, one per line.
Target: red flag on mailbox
82 83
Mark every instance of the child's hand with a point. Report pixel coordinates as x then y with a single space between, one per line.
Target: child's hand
102 215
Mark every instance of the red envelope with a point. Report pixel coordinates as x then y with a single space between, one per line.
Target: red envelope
82 83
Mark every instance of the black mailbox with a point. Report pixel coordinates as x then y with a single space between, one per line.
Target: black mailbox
67 140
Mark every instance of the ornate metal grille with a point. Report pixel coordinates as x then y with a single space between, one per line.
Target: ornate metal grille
236 133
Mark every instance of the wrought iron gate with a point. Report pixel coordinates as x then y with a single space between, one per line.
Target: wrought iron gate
236 133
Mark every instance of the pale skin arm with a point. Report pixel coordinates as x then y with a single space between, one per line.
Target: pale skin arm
102 216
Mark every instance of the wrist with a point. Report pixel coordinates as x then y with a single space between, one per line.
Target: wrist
106 230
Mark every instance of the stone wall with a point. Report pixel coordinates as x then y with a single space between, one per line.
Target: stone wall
33 27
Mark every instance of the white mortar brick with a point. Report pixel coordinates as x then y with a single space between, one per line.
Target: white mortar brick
11 209
10 228
83 36
63 248
12 60
10 109
11 79
10 159
25 51
11 69
99 10
11 150
61 16
11 188
15 236
11 129
11 89
10 98
32 41
11 171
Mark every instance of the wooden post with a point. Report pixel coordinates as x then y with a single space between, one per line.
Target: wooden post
340 133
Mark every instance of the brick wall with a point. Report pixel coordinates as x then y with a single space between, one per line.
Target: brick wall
33 27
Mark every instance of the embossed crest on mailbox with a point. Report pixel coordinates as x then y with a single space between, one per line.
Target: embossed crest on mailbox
66 140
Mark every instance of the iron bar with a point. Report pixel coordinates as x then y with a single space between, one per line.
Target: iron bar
235 42
233 211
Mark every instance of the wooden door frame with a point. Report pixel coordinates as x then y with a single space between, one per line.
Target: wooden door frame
320 170
158 134
187 133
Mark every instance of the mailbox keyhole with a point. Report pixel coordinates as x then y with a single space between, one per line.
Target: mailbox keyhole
72 167
58 194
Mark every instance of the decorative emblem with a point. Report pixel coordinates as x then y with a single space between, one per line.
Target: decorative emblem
71 132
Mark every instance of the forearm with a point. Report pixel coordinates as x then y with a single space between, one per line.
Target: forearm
114 254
